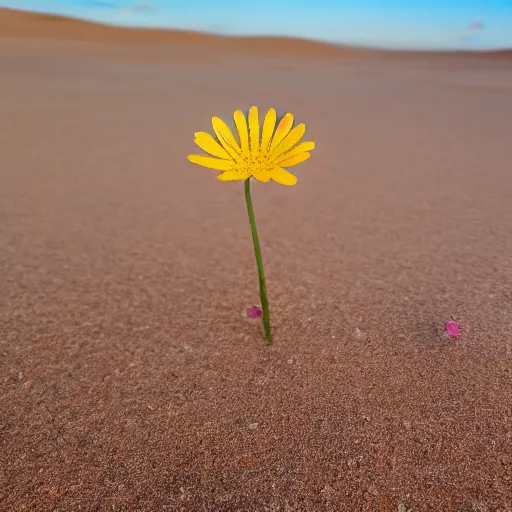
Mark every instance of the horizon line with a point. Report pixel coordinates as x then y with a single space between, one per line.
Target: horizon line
262 36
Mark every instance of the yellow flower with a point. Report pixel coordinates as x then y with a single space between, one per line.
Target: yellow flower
264 158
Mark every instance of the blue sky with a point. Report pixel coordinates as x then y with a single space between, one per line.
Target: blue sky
428 24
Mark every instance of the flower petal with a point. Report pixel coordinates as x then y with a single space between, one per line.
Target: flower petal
231 176
292 138
225 137
243 134
282 130
303 147
282 176
210 162
208 144
254 130
268 128
262 175
294 160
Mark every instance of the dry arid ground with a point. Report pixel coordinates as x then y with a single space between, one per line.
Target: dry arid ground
131 378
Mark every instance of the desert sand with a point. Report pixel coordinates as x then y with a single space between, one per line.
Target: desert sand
131 377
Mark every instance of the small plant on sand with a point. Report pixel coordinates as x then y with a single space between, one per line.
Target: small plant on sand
262 156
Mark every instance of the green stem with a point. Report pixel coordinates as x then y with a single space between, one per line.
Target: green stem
259 262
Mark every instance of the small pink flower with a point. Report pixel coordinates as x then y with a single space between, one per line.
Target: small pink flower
254 312
451 328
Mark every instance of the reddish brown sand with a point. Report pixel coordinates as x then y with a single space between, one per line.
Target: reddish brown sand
131 378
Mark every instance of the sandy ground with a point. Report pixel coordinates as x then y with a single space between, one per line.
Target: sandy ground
131 378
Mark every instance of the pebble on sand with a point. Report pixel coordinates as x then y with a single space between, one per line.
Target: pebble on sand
254 312
451 328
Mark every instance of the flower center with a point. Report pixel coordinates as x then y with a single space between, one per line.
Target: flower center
252 164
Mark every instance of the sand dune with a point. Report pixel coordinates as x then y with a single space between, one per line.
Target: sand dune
25 24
